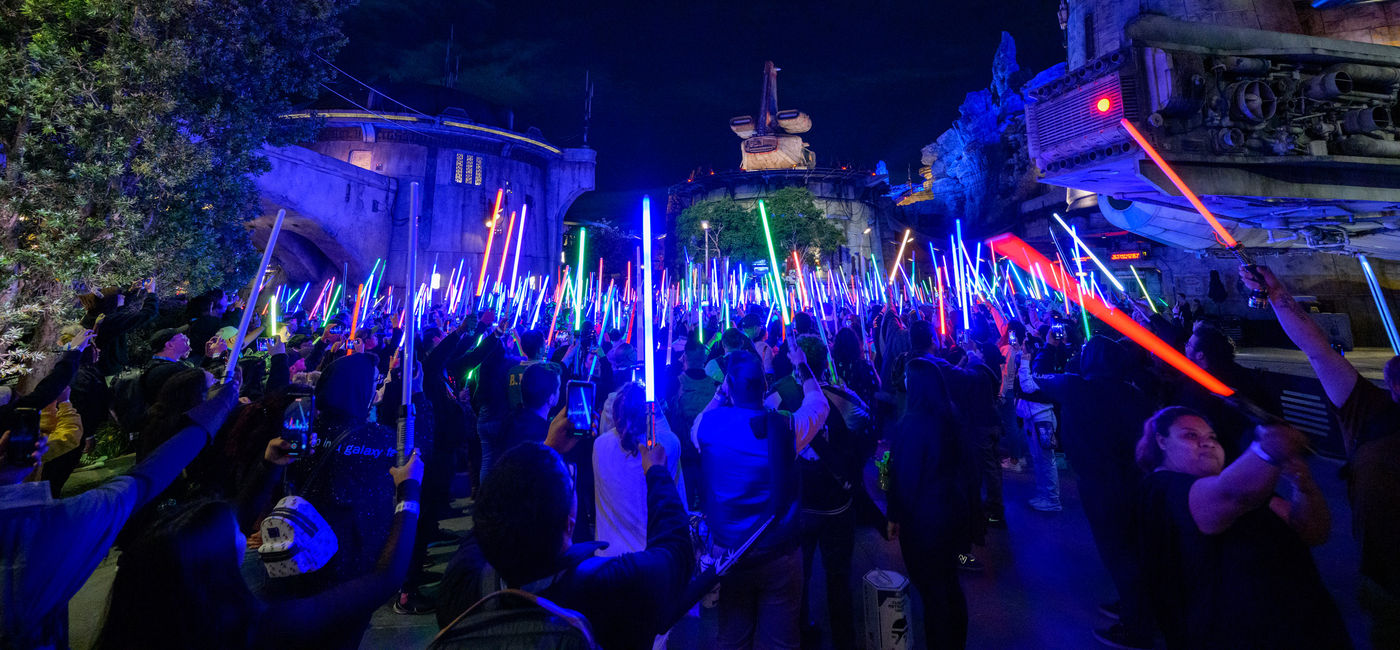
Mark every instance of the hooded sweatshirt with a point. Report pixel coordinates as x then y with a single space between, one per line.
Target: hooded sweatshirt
352 489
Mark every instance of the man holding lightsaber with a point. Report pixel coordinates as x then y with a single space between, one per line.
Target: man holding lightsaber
1370 421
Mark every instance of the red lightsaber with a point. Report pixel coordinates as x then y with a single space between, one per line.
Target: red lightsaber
505 250
490 238
1257 299
1026 257
1137 136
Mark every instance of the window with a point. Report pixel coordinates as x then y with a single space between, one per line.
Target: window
1089 37
467 169
361 159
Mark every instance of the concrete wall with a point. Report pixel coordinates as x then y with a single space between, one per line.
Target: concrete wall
352 215
1368 23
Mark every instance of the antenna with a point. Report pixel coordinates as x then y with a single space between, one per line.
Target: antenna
587 103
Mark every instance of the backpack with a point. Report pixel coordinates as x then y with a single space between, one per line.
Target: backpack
128 400
520 619
295 539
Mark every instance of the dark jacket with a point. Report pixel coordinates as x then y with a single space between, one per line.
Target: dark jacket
111 334
627 599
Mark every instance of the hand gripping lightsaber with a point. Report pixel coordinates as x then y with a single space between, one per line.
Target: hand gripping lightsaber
1257 299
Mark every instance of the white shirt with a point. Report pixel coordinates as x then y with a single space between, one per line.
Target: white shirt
620 487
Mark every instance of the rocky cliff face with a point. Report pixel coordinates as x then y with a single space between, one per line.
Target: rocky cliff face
978 170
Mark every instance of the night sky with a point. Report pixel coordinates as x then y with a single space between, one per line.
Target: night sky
880 79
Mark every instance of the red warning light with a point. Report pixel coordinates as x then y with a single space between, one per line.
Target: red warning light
1104 104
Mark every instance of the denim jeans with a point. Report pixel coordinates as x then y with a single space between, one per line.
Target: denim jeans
1047 476
491 432
760 605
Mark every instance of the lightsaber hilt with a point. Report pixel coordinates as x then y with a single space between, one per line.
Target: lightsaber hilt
405 433
651 424
1258 298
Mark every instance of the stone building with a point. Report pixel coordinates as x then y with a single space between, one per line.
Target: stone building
347 192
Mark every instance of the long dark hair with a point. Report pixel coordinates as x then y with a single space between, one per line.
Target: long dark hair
179 585
166 417
630 416
931 411
845 350
1149 454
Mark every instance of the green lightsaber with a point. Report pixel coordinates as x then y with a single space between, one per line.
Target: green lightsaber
773 260
1144 288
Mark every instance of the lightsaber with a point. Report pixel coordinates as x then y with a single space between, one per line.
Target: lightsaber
899 257
1257 299
253 297
773 259
519 237
1375 286
1144 289
505 249
1026 257
578 283
1085 247
648 358
407 414
559 301
490 237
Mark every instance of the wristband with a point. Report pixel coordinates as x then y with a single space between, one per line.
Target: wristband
1259 451
406 506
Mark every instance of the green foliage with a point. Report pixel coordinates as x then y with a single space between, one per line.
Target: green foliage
736 230
131 133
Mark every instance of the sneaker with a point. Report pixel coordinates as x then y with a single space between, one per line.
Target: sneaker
967 562
1045 505
1109 609
996 521
1117 636
1015 465
411 604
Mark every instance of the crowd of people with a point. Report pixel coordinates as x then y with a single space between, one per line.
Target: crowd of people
759 451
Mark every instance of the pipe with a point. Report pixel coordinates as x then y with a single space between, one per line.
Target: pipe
1368 75
1328 85
1360 145
1366 120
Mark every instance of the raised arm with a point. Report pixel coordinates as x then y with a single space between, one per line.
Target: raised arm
307 621
810 417
1248 483
1337 375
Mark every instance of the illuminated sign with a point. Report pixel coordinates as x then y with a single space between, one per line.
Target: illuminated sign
1127 256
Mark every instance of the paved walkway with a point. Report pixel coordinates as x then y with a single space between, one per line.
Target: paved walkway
1041 588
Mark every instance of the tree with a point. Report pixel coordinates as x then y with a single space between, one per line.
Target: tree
798 224
736 230
130 134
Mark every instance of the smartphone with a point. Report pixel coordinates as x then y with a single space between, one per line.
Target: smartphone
263 344
581 398
296 423
1011 336
23 425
